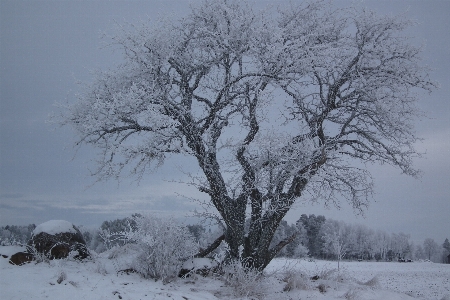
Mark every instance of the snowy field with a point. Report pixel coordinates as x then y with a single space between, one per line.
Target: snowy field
99 279
422 280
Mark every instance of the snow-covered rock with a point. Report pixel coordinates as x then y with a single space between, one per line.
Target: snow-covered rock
57 238
53 227
21 258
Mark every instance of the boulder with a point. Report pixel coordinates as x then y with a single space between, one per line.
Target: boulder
56 239
21 258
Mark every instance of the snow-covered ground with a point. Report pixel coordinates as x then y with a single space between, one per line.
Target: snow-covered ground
422 280
98 279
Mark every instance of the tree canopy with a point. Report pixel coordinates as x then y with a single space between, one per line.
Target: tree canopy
272 105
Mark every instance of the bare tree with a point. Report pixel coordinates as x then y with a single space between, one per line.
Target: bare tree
430 247
419 253
336 236
400 244
273 107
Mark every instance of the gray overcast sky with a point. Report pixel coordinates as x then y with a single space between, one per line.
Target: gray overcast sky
47 46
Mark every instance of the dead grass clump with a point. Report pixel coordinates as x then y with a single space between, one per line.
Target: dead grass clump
322 288
328 274
374 282
295 280
245 282
352 294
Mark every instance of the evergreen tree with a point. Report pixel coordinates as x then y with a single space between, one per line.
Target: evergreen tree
313 225
446 245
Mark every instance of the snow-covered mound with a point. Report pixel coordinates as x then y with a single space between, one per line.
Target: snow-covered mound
53 227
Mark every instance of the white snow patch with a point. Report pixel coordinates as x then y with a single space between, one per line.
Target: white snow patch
53 227
199 263
10 250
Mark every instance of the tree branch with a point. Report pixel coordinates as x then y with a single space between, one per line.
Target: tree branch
210 248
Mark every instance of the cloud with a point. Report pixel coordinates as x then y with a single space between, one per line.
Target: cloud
157 198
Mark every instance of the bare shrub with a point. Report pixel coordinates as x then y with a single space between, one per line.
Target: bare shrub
163 247
123 257
121 251
38 256
246 282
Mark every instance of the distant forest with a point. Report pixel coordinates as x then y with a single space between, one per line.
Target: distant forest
317 238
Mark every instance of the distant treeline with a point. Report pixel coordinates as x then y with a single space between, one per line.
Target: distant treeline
15 235
316 237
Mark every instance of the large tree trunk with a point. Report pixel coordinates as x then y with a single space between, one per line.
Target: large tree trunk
258 258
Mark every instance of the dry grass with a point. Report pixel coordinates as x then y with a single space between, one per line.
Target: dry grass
374 282
352 294
244 281
295 280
